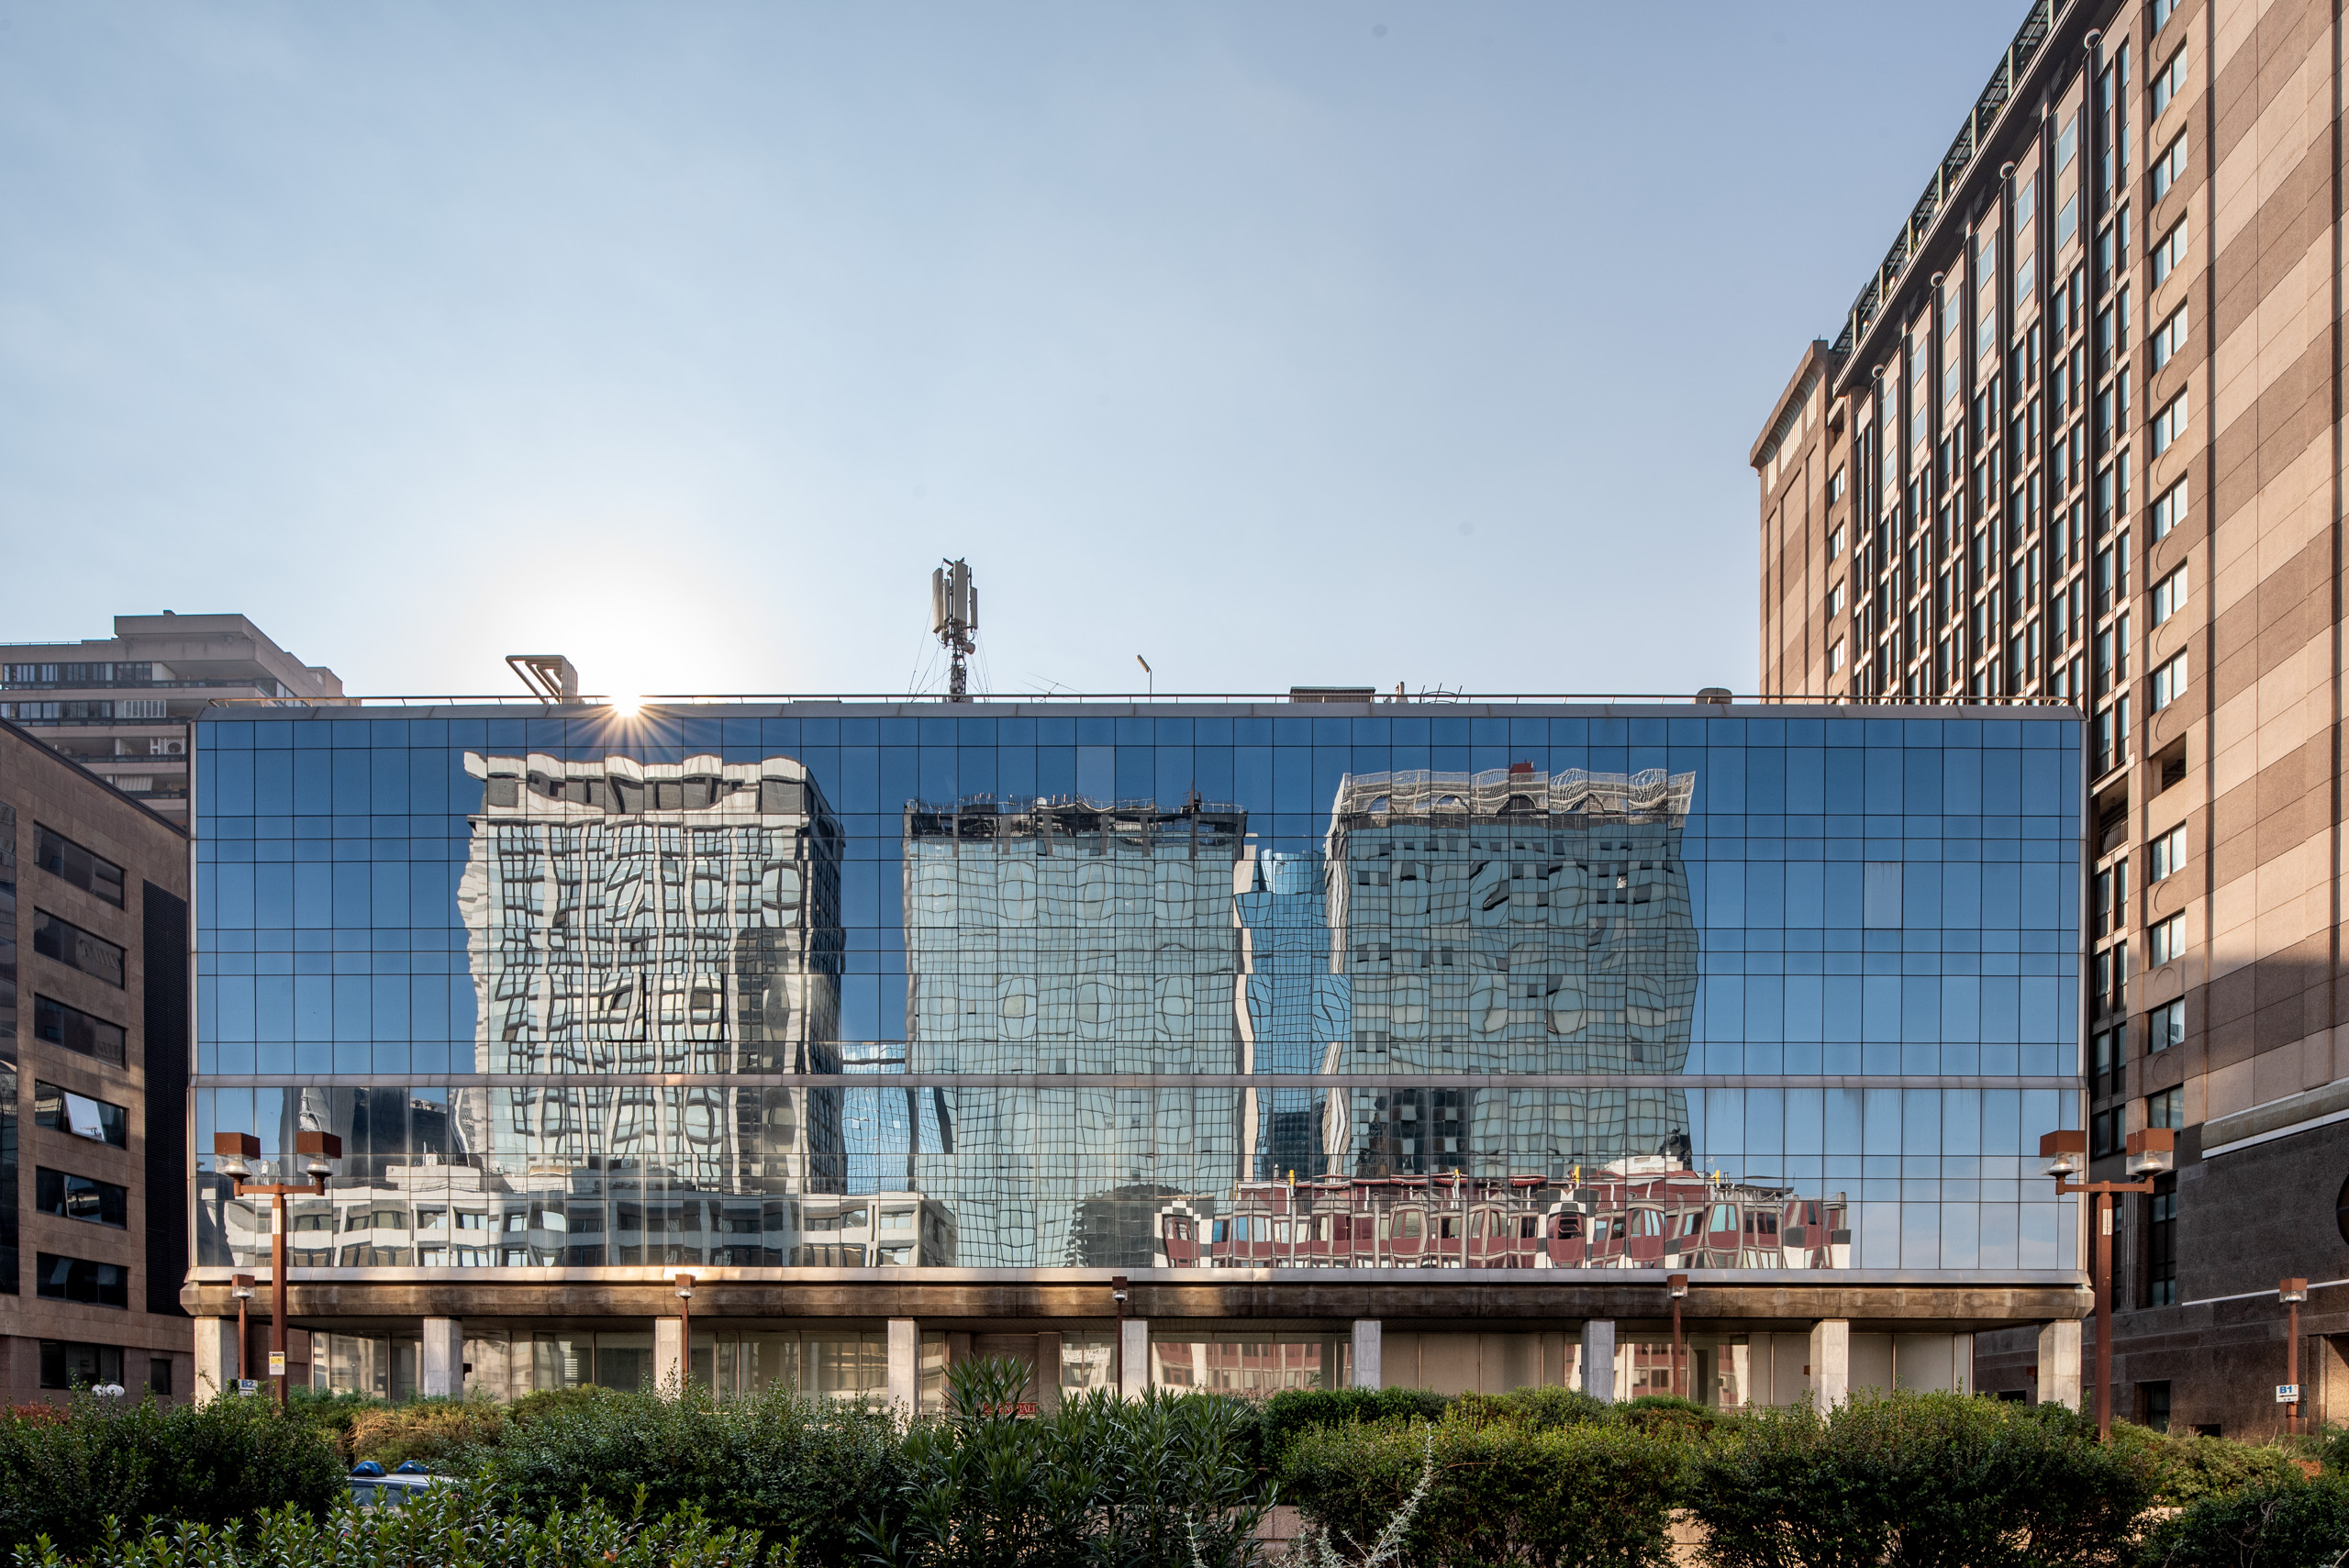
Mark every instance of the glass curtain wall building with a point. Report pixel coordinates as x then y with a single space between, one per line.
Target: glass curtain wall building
1399 1041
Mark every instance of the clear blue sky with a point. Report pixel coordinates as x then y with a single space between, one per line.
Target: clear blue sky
1283 343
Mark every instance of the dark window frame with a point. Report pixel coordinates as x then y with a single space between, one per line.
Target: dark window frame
61 941
85 1281
44 1007
58 1193
57 1372
56 1120
79 866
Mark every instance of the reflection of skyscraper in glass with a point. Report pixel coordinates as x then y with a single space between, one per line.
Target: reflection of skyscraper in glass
1513 921
1060 937
1296 1015
633 917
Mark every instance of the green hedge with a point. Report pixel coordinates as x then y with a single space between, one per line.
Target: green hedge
1932 1480
1166 1481
775 1462
2291 1523
446 1527
63 1467
1503 1488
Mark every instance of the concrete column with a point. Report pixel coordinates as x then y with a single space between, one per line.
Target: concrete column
904 1366
1133 1368
1830 1362
440 1364
1368 1372
1598 1359
215 1358
668 1343
1961 1362
2059 1362
1048 1374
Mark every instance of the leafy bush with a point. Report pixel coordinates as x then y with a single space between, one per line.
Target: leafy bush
449 1528
1293 1410
330 1412
206 1465
1538 1409
2188 1466
427 1431
1166 1481
2290 1523
773 1461
1932 1480
1559 1495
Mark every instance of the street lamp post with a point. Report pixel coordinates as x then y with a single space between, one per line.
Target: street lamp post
233 1153
1118 1291
685 1330
2151 1151
2291 1293
1676 1286
241 1287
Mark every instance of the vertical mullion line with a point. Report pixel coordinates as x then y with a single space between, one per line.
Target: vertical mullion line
2332 970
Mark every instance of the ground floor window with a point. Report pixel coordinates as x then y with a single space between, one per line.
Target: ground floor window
2153 1406
66 1364
1255 1365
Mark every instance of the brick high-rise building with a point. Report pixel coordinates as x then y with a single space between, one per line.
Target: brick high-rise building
2079 438
95 1043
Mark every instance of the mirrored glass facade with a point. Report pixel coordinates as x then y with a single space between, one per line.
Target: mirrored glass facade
979 987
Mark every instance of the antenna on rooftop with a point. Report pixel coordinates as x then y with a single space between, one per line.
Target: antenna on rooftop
955 616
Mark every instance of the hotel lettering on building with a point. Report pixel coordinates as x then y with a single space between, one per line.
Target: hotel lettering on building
1402 1043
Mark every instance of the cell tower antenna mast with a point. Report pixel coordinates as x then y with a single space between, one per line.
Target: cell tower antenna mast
954 617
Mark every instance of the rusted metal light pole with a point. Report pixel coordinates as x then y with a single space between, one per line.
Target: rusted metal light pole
241 1287
1118 1292
1676 1286
2151 1152
2291 1293
233 1153
686 1333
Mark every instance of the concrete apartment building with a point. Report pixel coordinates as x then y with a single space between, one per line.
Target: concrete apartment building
2079 438
120 705
94 1044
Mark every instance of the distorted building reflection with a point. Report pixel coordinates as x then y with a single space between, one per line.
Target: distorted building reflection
1060 937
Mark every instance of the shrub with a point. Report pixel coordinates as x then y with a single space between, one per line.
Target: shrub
1537 1408
449 1528
1554 1495
1934 1480
1293 1410
330 1412
427 1431
2188 1466
208 1464
2290 1523
1667 1413
773 1461
1166 1481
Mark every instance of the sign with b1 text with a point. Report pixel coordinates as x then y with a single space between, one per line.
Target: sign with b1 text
2287 1394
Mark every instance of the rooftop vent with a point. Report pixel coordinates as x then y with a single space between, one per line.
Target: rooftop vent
1332 693
1715 694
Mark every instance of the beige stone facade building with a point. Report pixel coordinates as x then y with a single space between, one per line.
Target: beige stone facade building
94 1044
120 705
2079 438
